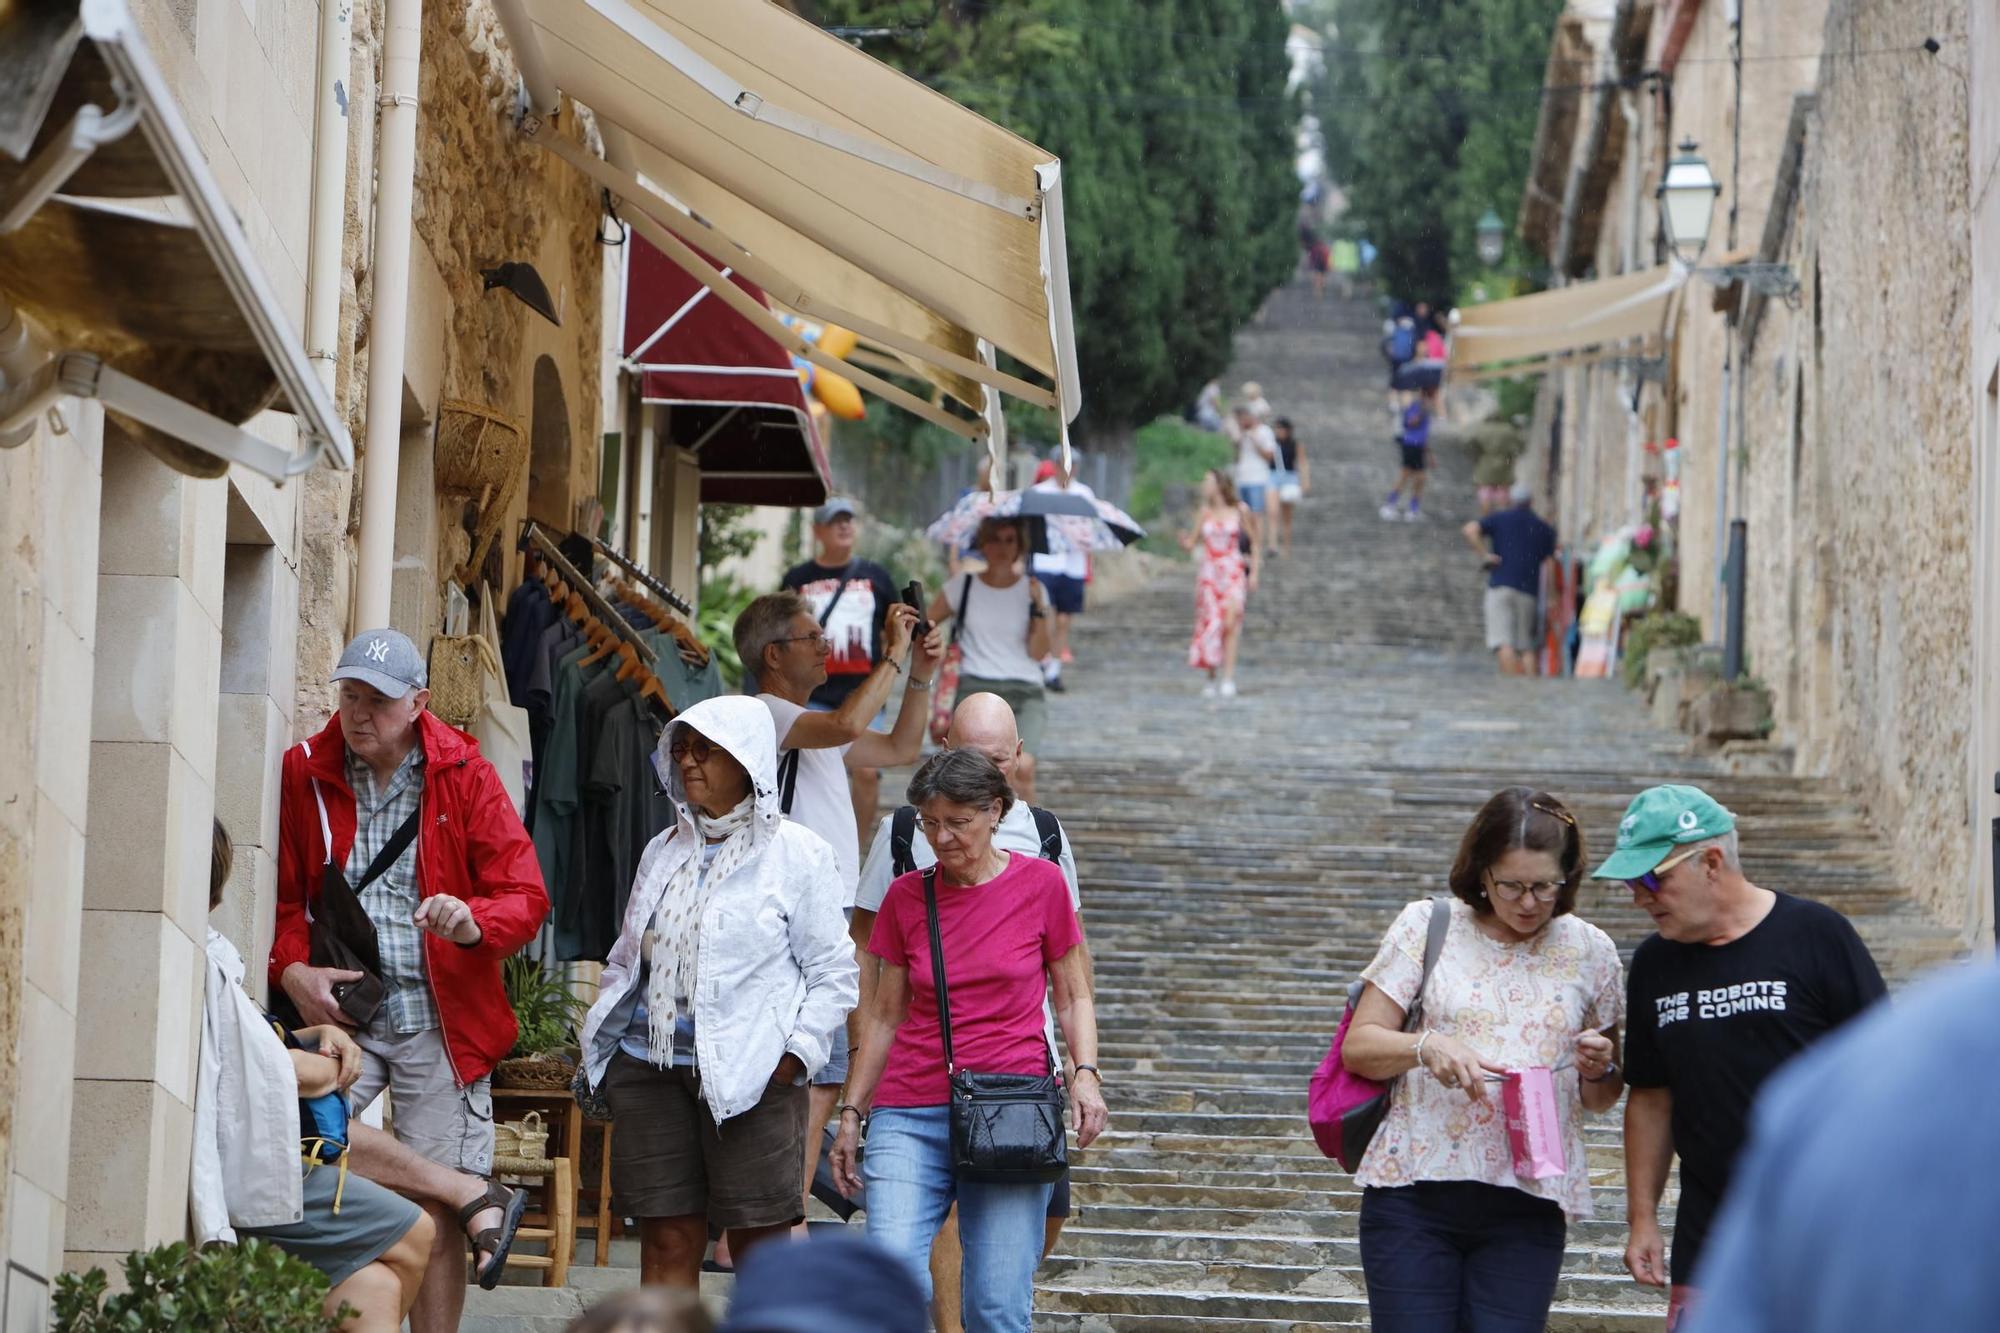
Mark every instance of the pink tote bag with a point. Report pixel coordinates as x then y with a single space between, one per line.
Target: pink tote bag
1344 1108
1534 1123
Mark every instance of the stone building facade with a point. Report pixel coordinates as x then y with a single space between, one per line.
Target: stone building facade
1841 434
1981 68
167 636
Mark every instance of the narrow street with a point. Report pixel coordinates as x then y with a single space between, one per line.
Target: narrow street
1241 858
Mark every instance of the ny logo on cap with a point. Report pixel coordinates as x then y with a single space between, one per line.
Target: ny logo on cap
1626 825
378 651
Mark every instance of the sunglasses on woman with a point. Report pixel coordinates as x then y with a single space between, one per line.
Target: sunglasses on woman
689 745
1650 881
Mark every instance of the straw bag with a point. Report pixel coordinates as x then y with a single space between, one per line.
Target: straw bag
526 1138
480 455
460 667
501 727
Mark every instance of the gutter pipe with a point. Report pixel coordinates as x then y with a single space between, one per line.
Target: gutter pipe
388 321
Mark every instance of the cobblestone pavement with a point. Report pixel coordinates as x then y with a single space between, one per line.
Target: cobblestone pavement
1241 858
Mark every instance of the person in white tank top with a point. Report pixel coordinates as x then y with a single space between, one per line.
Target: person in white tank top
1002 636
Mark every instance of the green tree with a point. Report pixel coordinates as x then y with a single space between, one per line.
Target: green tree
1176 137
1434 103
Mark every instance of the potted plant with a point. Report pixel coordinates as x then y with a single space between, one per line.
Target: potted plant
548 1014
254 1287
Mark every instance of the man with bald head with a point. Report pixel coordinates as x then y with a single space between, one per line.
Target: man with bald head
981 722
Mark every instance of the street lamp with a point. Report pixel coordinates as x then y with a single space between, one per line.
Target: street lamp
1687 201
1492 237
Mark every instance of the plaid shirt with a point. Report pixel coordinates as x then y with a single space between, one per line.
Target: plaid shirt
391 901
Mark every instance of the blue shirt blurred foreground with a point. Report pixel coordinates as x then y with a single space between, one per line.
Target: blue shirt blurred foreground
1867 1199
828 1284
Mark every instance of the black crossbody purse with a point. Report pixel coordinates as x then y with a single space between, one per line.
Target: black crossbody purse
1006 1129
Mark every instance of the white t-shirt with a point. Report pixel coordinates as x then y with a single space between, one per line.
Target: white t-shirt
993 637
1252 467
820 800
1073 563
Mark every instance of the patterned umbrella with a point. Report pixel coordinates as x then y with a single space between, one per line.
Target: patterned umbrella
1057 522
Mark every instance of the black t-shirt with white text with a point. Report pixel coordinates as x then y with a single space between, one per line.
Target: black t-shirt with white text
1711 1023
855 627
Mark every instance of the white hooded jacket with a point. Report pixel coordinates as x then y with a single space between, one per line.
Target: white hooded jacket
777 968
245 1170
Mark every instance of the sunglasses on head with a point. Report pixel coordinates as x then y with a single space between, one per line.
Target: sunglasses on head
1650 881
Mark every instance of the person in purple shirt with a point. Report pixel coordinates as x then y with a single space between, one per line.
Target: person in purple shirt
1520 544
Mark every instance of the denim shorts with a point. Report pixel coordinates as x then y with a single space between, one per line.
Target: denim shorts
1252 495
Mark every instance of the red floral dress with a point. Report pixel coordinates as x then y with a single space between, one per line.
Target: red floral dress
1220 586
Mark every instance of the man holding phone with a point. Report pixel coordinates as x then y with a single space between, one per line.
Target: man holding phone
850 598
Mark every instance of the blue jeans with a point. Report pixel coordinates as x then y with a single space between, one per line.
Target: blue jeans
911 1188
1459 1256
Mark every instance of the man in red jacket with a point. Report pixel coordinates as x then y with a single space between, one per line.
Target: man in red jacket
463 892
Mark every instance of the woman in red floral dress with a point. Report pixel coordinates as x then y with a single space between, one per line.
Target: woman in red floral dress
1225 574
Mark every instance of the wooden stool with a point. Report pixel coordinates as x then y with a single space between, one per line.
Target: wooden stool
553 1222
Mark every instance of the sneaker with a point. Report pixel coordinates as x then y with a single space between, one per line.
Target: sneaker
1054 685
1229 689
1208 690
1388 513
1412 516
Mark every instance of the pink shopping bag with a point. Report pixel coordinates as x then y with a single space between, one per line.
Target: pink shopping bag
1534 1123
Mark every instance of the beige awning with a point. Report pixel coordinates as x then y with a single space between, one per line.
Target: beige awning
1529 329
849 191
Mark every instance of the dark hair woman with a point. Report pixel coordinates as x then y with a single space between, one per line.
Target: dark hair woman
1521 981
1008 935
1225 576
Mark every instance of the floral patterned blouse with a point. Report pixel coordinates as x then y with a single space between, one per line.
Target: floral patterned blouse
1514 1004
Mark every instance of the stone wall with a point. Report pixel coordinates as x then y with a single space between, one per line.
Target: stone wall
1858 418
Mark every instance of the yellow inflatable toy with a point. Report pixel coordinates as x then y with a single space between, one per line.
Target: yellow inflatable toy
836 393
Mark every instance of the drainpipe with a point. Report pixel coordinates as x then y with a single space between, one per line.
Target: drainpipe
388 322
329 196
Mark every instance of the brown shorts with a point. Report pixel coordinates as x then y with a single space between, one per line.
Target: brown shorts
668 1161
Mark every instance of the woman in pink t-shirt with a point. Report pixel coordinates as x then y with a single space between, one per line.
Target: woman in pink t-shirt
1009 934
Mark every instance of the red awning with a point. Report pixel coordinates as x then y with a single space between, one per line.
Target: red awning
737 400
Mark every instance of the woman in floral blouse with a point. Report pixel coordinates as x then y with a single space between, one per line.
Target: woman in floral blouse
1451 1239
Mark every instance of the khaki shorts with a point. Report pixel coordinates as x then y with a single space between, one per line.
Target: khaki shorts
432 1115
667 1160
1026 697
1510 619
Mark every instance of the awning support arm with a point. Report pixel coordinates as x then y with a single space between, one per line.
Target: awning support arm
753 310
626 188
88 130
82 375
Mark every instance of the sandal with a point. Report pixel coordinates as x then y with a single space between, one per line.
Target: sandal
495 1241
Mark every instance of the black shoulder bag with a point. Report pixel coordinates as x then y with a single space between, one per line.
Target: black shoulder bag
1006 1129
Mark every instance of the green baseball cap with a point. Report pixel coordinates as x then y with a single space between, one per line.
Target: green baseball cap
1659 820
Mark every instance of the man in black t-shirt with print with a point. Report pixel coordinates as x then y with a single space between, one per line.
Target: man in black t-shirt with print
1737 980
850 598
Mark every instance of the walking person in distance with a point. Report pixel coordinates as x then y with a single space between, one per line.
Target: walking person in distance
1452 1240
1002 625
1521 544
1225 576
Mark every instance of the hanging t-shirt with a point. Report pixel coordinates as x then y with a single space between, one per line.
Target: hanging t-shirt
820 798
854 630
999 938
1711 1023
993 636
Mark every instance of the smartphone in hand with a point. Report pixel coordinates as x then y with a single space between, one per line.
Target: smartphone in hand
913 597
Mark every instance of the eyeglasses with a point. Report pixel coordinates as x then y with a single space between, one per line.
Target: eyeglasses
1513 890
816 637
1650 881
688 746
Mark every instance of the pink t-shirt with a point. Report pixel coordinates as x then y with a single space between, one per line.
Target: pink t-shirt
999 938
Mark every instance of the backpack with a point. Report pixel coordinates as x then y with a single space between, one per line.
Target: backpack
903 832
1401 344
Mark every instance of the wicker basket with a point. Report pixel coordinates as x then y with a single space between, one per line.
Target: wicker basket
526 1138
480 454
459 668
535 1071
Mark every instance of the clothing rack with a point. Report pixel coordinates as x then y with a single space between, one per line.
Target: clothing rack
604 612
658 589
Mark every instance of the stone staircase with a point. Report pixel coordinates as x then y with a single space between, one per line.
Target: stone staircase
1241 859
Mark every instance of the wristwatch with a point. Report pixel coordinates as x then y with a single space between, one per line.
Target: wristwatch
917 685
859 1115
1610 1071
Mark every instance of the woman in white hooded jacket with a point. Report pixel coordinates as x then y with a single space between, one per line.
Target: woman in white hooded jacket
719 1000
